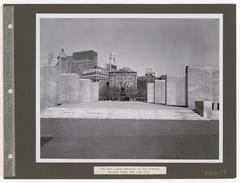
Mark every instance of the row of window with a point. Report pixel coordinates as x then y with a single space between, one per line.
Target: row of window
123 79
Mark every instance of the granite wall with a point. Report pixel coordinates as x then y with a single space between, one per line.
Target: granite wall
150 92
175 90
48 86
202 84
160 97
84 90
65 88
69 88
94 91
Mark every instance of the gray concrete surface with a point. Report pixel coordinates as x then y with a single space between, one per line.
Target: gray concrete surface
129 139
70 127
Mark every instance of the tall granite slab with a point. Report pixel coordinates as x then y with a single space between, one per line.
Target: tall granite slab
94 91
48 86
69 88
150 92
202 84
215 78
175 90
159 92
84 90
42 84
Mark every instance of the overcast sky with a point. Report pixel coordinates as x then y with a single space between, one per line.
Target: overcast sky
166 45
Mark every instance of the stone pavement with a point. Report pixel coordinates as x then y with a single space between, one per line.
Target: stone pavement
133 147
120 110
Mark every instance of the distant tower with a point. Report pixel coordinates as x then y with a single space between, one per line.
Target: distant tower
111 64
63 62
62 55
112 58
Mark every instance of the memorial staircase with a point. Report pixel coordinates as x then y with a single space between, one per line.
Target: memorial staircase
120 110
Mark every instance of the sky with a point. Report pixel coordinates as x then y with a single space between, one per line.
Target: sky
165 45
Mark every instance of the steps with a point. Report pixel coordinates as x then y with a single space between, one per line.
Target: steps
168 113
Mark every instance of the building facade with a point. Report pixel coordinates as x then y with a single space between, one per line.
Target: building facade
123 78
83 60
111 67
96 74
141 88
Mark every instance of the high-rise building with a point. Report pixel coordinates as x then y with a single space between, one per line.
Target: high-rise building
83 60
112 57
111 65
78 62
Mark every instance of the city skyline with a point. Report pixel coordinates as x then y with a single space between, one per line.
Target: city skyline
166 45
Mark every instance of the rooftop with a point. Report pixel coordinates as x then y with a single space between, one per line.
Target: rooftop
122 70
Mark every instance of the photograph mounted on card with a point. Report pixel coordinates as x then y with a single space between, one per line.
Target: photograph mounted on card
120 91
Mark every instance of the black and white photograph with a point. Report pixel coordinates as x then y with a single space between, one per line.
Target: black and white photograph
129 88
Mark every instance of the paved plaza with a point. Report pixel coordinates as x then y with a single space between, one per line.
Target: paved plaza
128 139
120 110
126 130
